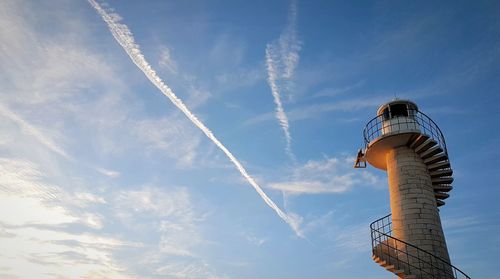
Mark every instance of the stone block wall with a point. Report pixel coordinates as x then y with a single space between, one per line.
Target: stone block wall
415 215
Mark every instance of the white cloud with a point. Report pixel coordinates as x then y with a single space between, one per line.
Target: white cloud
164 219
42 253
66 112
38 70
166 61
330 175
31 130
169 214
254 238
172 137
109 173
32 211
84 199
34 216
197 96
259 241
92 220
181 270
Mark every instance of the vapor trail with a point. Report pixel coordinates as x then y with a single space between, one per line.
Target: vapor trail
282 56
125 38
280 111
31 130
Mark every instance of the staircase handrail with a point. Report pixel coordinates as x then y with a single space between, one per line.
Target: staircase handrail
456 271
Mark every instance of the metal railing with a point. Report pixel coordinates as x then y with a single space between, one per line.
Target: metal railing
415 121
407 257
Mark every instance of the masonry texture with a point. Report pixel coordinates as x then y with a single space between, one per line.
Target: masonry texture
415 216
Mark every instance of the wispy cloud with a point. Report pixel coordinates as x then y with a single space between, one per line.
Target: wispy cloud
259 241
171 216
197 270
61 233
330 175
108 173
282 57
312 111
124 37
47 141
332 92
77 110
35 242
169 134
32 252
33 131
166 60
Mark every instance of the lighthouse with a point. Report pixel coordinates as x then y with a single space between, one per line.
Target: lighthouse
410 147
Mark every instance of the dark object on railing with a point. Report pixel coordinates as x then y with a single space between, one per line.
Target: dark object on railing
415 122
407 257
360 162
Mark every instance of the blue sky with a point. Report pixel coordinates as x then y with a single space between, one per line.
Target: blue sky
103 176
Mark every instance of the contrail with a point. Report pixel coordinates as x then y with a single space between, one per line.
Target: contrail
280 111
31 130
282 56
125 38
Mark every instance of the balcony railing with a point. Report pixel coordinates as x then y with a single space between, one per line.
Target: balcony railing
416 121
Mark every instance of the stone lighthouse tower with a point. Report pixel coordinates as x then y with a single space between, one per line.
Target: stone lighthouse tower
408 145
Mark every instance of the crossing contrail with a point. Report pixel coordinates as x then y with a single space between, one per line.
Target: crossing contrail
125 38
280 111
282 56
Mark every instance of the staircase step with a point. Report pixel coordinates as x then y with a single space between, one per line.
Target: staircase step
412 139
398 272
441 173
442 180
389 267
443 188
440 202
436 158
420 139
384 263
426 145
439 165
431 152
441 195
378 260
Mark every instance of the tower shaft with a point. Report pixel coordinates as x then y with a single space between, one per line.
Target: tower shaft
415 215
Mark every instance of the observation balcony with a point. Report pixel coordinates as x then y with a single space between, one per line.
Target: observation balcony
401 124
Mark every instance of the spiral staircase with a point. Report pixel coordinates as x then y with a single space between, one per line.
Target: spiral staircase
397 256
405 260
